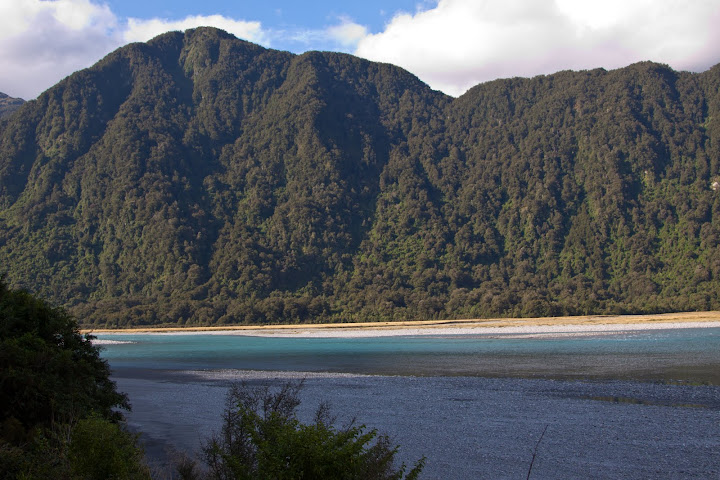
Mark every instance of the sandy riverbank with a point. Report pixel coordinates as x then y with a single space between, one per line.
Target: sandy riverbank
596 324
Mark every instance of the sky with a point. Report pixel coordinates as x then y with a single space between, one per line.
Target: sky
451 45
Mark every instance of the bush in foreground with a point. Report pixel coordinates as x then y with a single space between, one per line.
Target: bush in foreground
58 406
262 438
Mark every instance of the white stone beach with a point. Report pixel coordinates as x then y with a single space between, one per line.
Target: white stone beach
517 331
524 327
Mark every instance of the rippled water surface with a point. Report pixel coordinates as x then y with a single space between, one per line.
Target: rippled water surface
680 354
631 405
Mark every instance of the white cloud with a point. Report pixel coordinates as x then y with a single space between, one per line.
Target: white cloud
139 30
42 41
343 36
459 43
347 33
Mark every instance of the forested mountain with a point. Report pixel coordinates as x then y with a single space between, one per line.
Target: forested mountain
9 104
200 179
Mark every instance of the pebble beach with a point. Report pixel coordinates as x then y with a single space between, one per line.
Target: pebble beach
546 326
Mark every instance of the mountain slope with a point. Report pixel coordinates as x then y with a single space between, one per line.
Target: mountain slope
199 178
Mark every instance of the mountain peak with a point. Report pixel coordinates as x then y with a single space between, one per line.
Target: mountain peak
8 105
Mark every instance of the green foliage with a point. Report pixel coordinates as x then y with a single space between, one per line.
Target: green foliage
49 372
200 179
101 450
262 439
57 403
92 449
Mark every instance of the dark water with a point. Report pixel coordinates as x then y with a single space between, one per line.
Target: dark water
615 406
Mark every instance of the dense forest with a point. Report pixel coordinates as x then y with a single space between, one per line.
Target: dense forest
199 179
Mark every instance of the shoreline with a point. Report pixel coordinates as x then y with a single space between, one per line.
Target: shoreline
526 327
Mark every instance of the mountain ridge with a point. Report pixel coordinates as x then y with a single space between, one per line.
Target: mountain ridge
201 179
8 105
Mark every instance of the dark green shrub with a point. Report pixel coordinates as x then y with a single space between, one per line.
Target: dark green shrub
101 450
261 438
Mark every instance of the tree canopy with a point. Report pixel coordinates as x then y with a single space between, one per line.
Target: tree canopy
58 406
262 438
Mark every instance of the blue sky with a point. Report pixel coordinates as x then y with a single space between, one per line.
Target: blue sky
451 45
278 15
293 25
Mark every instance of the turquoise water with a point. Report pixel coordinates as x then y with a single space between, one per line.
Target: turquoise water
680 354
